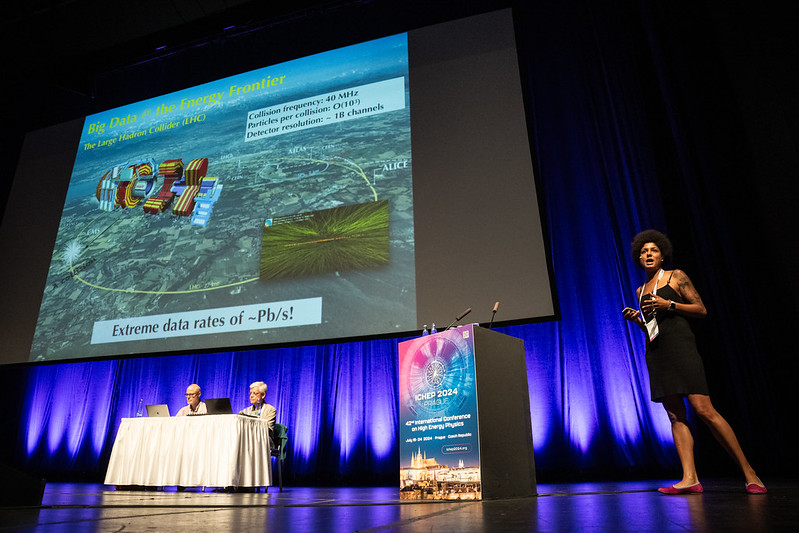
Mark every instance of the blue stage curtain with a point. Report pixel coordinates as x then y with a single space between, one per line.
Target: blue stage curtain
593 86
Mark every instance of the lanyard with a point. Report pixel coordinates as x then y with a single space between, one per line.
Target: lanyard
654 291
652 324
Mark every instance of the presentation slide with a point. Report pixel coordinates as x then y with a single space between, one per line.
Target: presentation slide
251 209
364 191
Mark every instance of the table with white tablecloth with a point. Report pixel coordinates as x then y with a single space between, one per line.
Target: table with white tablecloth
191 451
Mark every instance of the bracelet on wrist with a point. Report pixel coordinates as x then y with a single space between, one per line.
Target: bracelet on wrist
672 305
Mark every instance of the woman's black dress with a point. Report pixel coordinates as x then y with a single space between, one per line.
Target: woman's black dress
674 364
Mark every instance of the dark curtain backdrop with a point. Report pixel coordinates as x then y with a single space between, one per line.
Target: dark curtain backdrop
639 117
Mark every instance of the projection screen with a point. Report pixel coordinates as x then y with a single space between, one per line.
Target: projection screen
364 191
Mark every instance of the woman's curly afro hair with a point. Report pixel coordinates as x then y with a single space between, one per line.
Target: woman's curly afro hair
650 235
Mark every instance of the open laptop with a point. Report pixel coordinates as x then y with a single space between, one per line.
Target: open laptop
160 409
218 406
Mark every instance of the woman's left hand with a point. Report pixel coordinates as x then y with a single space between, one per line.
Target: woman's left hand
654 303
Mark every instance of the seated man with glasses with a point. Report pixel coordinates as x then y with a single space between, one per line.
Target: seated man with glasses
195 406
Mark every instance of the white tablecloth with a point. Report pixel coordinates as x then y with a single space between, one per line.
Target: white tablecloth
193 451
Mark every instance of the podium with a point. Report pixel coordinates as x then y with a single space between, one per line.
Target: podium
464 413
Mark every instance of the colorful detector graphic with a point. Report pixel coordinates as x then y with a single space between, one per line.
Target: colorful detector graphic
188 190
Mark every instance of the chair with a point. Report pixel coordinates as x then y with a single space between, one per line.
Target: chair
280 439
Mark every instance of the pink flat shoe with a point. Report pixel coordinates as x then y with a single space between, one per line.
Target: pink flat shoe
693 489
754 488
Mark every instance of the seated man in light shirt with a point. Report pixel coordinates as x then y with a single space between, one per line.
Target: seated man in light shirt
195 406
259 408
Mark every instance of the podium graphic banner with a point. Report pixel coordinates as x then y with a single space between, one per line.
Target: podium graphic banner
439 440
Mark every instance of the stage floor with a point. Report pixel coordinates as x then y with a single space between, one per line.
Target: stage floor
605 506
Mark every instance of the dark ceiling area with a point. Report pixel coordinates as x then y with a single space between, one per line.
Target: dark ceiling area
88 34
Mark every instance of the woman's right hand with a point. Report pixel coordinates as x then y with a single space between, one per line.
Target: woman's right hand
631 314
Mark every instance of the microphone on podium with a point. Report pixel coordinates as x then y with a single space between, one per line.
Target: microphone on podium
466 312
493 313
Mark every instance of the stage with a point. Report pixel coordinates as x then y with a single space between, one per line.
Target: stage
603 506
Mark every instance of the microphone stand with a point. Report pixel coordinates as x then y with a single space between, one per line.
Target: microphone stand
460 317
493 314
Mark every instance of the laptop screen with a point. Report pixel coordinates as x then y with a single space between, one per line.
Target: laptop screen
160 409
218 406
